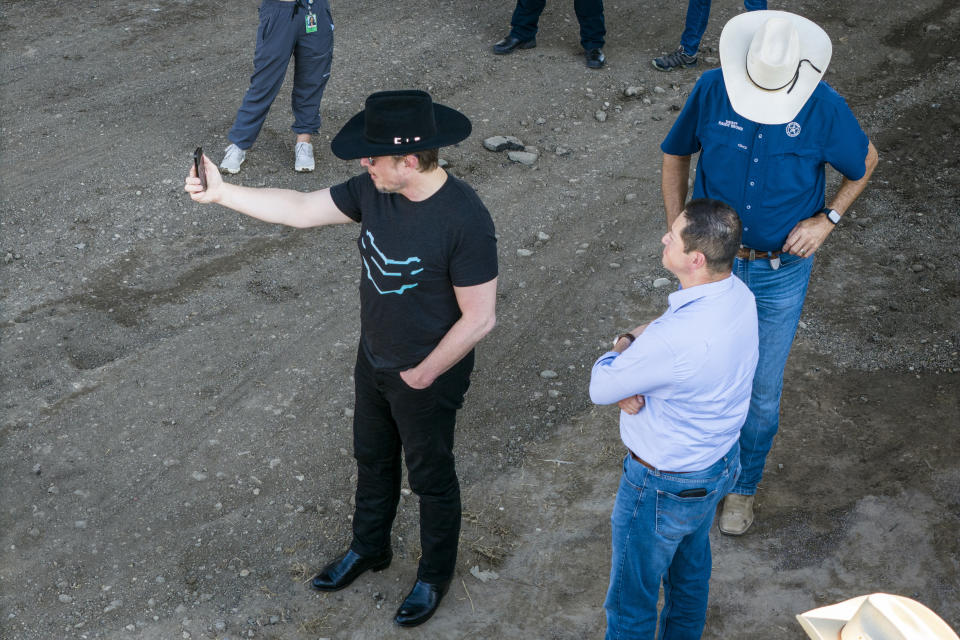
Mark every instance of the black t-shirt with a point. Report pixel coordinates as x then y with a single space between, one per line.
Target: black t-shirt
412 255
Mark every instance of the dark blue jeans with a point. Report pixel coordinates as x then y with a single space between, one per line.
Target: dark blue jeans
698 12
589 14
661 536
390 417
281 34
780 294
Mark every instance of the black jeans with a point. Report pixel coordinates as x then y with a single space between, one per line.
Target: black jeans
390 417
526 15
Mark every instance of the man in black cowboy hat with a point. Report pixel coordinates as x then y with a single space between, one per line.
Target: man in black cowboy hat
427 292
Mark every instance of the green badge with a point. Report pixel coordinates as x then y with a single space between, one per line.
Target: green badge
311 22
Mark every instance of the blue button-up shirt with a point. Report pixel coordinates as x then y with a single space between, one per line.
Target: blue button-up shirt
772 175
694 366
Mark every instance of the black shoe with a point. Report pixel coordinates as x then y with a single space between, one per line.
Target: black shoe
345 569
595 58
676 60
420 603
508 44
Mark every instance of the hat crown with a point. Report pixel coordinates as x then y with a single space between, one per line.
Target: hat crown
888 617
774 54
399 117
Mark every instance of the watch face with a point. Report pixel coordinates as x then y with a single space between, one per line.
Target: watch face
833 216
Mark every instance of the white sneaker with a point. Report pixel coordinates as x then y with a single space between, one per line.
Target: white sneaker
304 157
233 157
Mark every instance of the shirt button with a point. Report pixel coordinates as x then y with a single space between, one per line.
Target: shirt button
756 159
748 206
760 135
752 183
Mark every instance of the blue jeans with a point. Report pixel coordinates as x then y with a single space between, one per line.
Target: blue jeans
698 12
780 294
659 535
526 15
281 34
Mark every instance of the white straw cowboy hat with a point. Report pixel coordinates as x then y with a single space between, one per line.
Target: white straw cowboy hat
879 616
771 62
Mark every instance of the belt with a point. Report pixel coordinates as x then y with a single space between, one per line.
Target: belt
746 253
650 466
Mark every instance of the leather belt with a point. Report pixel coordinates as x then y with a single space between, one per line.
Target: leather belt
650 466
746 253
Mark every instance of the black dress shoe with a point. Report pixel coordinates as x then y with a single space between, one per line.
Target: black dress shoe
345 569
508 44
595 58
421 603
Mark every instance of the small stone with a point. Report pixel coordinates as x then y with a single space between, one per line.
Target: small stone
661 282
600 115
80 245
711 60
647 101
917 267
524 253
614 265
275 463
543 237
630 197
244 573
523 157
199 476
561 151
80 524
502 143
659 90
631 91
553 393
932 27
347 412
64 598
53 489
274 620
36 469
548 374
220 625
541 121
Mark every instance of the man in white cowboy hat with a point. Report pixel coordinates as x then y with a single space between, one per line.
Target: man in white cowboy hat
765 125
427 296
878 616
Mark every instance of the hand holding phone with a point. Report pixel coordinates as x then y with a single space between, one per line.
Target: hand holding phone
198 167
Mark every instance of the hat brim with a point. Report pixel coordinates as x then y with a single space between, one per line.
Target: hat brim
749 100
825 623
351 143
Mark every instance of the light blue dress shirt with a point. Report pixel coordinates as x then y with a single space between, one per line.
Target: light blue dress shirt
694 366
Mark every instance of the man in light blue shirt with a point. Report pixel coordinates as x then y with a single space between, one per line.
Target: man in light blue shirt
683 384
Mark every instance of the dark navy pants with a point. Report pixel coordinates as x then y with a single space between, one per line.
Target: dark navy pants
589 14
390 417
283 33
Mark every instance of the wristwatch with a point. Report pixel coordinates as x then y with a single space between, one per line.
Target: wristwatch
832 214
629 336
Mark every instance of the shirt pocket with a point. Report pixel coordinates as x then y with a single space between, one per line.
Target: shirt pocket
725 144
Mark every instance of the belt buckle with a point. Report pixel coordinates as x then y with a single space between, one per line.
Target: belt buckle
753 255
775 262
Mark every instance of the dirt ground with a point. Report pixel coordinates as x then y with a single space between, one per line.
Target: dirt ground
175 437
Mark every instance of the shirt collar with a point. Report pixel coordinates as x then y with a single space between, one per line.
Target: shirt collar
683 297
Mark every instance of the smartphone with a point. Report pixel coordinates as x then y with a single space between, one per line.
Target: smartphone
198 166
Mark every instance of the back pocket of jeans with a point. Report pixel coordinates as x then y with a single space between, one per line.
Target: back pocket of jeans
678 517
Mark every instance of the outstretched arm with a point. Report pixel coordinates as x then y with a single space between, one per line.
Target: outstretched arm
279 206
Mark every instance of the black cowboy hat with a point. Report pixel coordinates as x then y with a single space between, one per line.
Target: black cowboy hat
397 123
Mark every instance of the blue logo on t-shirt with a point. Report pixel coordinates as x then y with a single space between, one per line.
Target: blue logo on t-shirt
395 280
